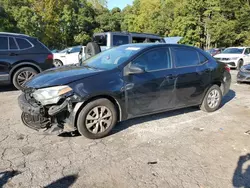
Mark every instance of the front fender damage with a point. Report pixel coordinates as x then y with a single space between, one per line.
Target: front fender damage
56 116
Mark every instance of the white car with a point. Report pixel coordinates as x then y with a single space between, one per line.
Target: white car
68 56
234 57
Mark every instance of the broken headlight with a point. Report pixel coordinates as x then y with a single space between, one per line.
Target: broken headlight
51 95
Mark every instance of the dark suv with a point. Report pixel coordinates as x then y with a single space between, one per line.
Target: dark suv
22 57
122 83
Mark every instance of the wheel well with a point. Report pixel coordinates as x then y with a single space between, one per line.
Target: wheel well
22 66
111 99
58 60
221 85
217 83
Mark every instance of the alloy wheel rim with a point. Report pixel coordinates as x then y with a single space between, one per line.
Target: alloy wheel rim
213 98
57 64
98 120
24 76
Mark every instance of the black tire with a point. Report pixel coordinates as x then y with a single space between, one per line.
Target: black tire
58 63
82 119
240 64
205 106
92 49
20 72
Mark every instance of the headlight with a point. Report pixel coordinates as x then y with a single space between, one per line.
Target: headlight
51 95
233 58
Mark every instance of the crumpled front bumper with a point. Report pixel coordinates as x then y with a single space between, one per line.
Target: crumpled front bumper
25 106
59 114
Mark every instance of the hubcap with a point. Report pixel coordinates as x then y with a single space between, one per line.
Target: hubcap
24 76
98 120
213 98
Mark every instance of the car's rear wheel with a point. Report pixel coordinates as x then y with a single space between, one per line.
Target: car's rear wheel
212 99
22 75
57 63
97 119
240 64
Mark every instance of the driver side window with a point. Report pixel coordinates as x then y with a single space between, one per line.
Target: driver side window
153 60
247 51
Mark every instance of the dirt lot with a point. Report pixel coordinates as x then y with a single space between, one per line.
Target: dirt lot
183 148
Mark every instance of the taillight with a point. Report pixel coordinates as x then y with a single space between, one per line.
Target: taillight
50 57
227 68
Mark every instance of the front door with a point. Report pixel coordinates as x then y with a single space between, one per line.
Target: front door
247 56
193 76
152 90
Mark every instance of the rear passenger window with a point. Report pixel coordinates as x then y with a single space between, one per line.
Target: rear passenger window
185 57
23 43
203 59
4 43
12 44
154 60
120 40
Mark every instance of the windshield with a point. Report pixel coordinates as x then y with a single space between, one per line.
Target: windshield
64 51
111 58
233 51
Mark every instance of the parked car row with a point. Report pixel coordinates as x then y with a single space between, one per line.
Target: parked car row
21 58
121 83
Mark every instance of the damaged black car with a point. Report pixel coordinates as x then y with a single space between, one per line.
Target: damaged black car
121 83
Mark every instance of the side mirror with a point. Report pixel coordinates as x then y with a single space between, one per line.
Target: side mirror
135 70
68 52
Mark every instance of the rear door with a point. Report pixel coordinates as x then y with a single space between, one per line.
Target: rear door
193 76
4 58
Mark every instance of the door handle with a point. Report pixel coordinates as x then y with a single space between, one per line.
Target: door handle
171 77
12 54
207 71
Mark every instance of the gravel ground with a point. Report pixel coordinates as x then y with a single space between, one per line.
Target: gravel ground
182 148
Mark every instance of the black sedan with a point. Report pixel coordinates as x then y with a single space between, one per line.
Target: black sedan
244 74
122 83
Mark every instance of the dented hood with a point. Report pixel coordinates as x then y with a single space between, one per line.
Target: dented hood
61 76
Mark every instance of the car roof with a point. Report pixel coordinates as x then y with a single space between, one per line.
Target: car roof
133 34
145 45
239 47
8 34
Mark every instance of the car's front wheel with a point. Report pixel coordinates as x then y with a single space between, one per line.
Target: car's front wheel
212 99
97 119
240 64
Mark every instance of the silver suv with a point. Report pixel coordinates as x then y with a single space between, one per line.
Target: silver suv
107 40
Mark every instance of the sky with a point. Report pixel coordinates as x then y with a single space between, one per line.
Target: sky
119 3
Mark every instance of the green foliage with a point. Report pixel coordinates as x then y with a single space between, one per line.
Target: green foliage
61 23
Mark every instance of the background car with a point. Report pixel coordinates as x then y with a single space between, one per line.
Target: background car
244 74
107 40
234 57
124 82
21 58
215 51
67 56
